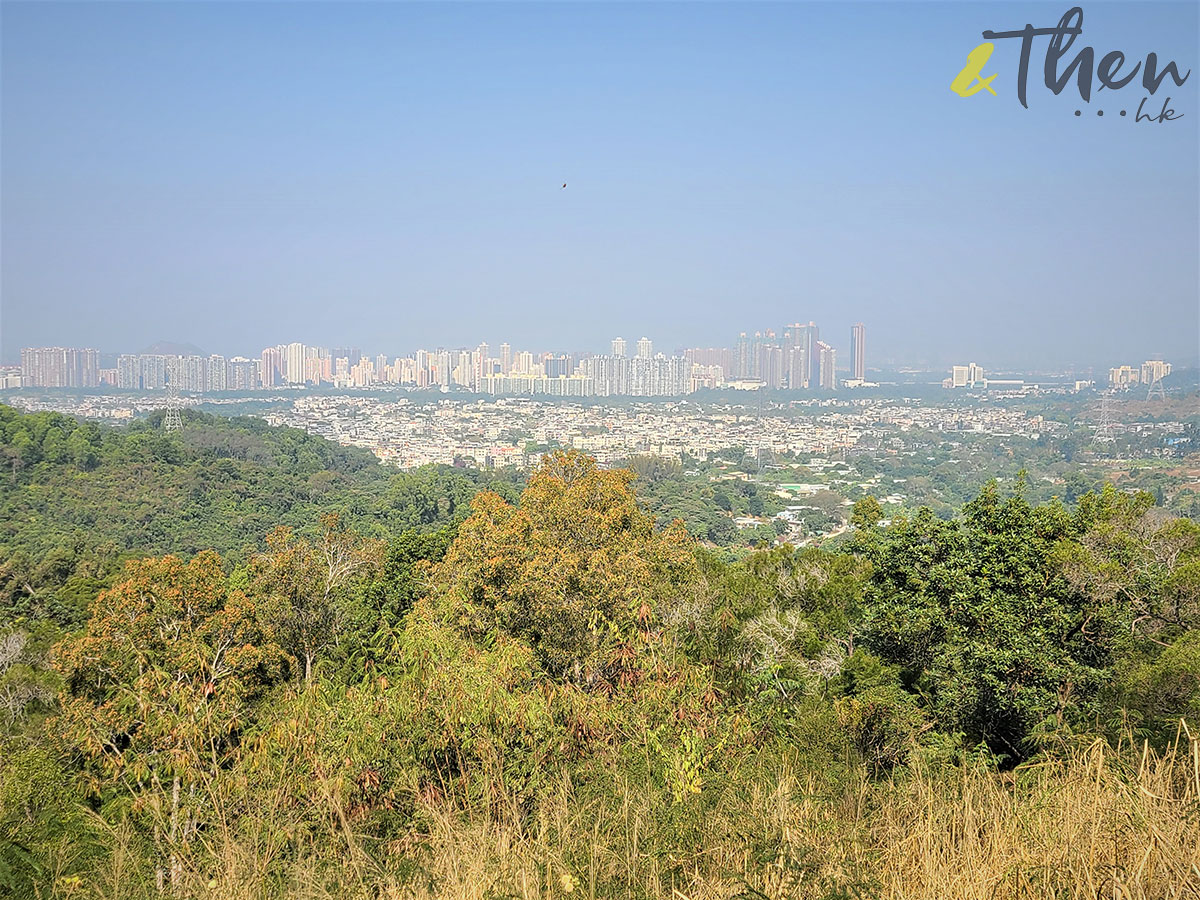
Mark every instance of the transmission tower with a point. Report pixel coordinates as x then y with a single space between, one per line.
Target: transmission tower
764 457
1156 390
171 420
1104 427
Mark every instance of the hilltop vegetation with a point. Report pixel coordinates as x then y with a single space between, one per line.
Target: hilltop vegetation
78 498
558 696
218 484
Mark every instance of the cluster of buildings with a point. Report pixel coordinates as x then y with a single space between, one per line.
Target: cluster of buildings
507 431
195 374
507 371
793 359
968 376
69 367
797 360
74 367
1150 372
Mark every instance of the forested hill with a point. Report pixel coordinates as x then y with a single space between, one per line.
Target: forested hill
558 698
75 496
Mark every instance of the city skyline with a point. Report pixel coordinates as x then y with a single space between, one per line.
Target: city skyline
794 359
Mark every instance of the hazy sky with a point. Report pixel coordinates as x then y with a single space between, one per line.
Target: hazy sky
388 176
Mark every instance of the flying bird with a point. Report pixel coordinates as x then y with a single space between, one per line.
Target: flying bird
564 185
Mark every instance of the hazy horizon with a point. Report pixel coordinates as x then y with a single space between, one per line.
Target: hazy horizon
389 177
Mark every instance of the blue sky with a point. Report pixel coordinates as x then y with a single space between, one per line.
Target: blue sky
388 175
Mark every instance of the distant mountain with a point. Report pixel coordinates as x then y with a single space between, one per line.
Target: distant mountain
170 348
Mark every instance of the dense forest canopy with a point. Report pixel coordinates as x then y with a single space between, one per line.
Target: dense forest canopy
341 681
77 498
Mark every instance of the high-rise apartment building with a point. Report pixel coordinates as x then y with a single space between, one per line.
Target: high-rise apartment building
271 366
826 366
129 372
858 349
813 339
558 366
243 374
802 359
441 367
969 375
424 366
741 357
1155 370
770 365
712 357
618 346
479 365
60 366
645 348
293 363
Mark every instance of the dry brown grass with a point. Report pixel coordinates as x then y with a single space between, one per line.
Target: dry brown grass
1092 826
1100 824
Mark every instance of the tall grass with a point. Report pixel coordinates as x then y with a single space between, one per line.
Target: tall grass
1097 822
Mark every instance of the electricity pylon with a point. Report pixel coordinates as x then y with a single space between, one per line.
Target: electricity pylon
1104 428
171 419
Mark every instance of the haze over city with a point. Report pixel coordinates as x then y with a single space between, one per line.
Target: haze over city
390 176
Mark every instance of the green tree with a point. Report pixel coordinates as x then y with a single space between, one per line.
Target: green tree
310 581
983 624
866 513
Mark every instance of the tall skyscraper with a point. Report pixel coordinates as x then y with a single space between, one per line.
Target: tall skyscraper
271 364
293 363
618 346
741 357
505 359
814 354
479 365
804 363
858 348
771 365
424 366
826 366
645 348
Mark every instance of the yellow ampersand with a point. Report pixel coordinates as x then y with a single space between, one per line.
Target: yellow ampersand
976 60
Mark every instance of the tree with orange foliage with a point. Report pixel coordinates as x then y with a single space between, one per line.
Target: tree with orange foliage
160 685
577 570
